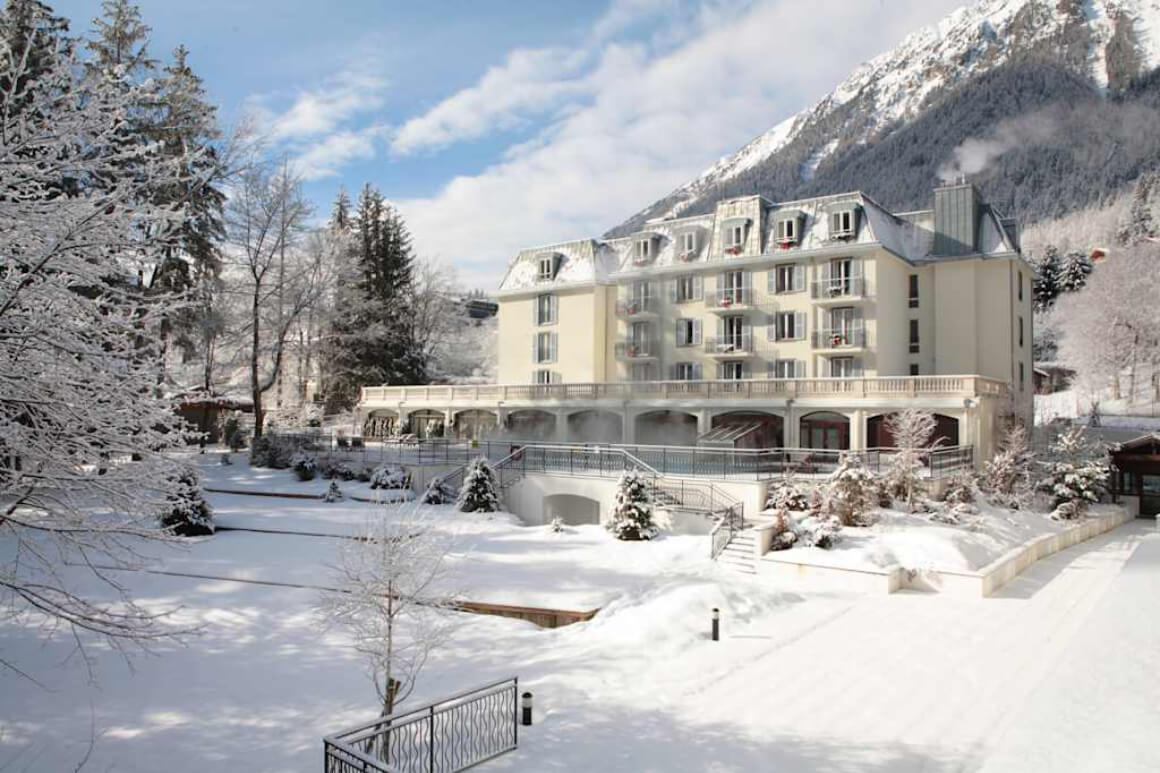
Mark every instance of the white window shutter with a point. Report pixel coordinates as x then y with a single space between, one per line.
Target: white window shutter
535 347
551 347
682 329
672 289
799 368
771 281
553 308
696 332
720 329
799 277
835 222
720 283
799 324
697 373
771 329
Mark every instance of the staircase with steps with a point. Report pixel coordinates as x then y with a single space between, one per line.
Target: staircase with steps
740 552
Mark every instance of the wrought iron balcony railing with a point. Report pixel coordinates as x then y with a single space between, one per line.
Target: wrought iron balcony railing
630 307
841 338
638 349
735 344
729 297
838 287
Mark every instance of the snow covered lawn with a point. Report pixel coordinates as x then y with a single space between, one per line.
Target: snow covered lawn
239 476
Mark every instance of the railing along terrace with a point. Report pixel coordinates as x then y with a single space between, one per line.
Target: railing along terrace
446 736
446 395
841 338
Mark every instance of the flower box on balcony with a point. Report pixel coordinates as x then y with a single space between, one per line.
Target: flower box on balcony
686 257
630 309
734 250
726 302
837 340
785 244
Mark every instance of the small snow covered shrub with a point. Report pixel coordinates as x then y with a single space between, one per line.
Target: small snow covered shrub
961 489
260 452
389 476
1075 478
850 492
438 492
232 435
333 493
557 526
480 491
364 475
1007 477
304 466
824 532
339 470
912 430
186 512
784 535
225 459
632 518
786 494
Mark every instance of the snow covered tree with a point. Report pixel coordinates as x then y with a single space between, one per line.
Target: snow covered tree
850 492
1007 475
1076 475
372 336
786 494
438 492
632 518
1139 225
480 490
120 41
82 429
265 220
186 513
1045 287
913 431
1074 270
391 598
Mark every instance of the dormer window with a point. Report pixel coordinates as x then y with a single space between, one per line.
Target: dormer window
736 236
787 231
843 223
733 234
547 268
643 251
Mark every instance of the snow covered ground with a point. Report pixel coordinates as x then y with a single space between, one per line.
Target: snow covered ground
1055 673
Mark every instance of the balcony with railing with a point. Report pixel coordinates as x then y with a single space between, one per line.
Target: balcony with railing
638 306
730 300
844 339
638 349
733 346
845 288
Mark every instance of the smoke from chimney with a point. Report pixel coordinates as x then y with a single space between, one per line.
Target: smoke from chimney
976 154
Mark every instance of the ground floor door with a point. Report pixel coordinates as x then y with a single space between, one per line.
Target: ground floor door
1150 496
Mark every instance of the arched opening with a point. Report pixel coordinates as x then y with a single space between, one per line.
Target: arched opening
666 428
380 424
825 430
595 427
531 425
571 509
426 424
746 429
475 424
878 435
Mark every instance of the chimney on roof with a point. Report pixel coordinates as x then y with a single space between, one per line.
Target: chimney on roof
956 218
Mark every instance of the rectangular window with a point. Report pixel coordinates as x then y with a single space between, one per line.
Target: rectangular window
914 336
732 370
737 236
787 369
643 251
544 347
789 326
689 242
914 291
544 377
1021 331
687 371
688 332
787 278
547 268
687 288
842 224
641 371
1022 378
914 368
787 230
844 367
545 309
1020 285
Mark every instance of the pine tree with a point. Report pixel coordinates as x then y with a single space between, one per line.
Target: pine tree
1007 476
1073 271
187 514
1139 224
912 430
121 41
632 518
1076 476
850 492
480 491
1045 287
30 32
372 338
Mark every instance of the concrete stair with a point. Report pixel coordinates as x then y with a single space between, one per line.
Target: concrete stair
740 553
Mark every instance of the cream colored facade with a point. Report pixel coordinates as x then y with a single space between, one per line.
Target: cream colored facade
832 303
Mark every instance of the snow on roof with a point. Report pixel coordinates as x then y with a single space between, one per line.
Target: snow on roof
584 261
669 249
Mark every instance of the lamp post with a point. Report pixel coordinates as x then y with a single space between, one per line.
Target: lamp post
716 624
526 704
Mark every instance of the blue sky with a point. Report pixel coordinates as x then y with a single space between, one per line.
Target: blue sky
496 124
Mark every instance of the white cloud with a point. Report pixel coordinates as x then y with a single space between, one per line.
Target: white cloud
651 120
326 157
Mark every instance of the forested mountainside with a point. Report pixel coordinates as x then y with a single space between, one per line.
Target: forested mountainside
1049 106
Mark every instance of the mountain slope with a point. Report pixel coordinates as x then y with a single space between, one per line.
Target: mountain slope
1014 93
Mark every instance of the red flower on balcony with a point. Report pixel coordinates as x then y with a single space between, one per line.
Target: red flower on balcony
734 250
837 340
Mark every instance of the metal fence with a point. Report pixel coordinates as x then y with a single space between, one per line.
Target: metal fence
446 736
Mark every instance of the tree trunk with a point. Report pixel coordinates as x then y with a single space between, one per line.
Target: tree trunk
255 387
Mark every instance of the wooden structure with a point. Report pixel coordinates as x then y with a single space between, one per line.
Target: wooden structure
1136 474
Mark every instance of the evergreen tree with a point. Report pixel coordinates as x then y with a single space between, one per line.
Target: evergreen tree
1139 224
632 519
121 40
850 492
1045 288
372 337
480 491
1073 271
30 31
